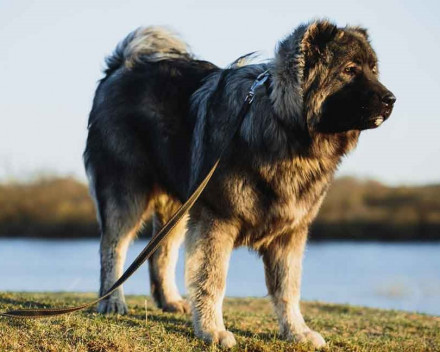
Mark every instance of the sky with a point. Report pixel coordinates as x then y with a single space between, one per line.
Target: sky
52 55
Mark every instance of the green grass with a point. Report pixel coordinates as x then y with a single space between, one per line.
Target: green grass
345 328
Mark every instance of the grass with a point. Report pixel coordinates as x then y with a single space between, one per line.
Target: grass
346 328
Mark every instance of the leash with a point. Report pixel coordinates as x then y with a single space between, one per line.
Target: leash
155 241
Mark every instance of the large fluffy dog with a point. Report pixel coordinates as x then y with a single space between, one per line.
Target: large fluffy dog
159 120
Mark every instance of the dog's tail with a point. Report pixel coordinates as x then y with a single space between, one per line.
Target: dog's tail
147 44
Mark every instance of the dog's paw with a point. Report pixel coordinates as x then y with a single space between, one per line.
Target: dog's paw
224 338
312 337
181 306
112 306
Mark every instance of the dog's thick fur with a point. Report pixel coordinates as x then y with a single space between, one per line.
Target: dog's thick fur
160 118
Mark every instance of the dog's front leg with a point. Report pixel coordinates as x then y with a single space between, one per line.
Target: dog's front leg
208 248
283 264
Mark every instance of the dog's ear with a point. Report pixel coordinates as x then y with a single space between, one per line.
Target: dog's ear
293 57
316 38
362 31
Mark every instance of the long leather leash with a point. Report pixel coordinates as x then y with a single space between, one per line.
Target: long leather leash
155 241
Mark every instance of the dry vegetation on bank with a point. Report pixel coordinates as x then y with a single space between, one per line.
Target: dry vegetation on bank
353 210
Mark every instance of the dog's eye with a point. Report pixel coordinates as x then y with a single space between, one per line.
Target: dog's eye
350 70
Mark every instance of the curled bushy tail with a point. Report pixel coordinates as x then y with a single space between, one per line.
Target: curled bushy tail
147 44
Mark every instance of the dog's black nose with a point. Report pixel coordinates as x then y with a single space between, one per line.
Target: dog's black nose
389 99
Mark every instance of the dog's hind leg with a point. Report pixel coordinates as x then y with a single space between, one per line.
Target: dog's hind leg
282 263
162 264
122 208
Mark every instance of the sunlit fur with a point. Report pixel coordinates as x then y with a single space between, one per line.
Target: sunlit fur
159 120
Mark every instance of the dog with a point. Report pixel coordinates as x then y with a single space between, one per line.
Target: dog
159 119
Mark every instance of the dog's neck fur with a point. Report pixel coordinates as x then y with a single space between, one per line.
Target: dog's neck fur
306 165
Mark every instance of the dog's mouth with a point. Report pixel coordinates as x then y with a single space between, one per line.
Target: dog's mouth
386 112
375 122
378 120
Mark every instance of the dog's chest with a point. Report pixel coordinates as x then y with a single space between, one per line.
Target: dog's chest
279 197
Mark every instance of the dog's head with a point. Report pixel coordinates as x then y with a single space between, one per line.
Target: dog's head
335 72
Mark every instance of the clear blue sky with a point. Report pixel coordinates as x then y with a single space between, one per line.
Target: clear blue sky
52 54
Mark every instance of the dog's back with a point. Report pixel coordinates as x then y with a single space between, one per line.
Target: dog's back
142 104
138 147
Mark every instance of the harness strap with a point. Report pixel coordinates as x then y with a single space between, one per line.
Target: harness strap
156 240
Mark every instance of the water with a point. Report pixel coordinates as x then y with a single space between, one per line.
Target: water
392 276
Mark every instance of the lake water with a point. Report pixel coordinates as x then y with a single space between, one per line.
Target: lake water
392 276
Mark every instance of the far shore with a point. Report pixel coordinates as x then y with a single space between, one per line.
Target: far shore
354 210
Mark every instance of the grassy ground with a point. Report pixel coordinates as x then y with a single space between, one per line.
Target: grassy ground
344 327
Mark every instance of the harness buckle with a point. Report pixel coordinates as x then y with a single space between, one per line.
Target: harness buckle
260 80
